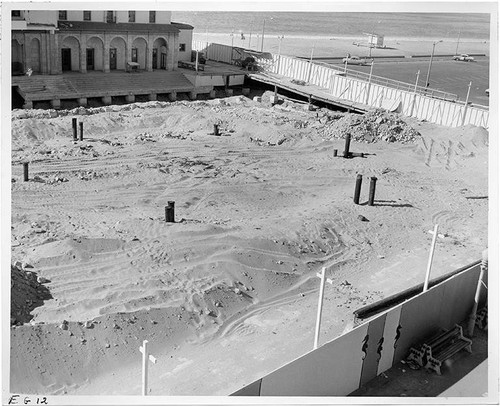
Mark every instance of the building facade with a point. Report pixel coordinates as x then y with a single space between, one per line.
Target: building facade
57 41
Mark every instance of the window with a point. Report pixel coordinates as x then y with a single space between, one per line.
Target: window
110 18
134 54
87 15
16 13
152 16
131 16
182 47
63 15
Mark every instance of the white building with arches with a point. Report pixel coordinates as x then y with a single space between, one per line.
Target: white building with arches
57 41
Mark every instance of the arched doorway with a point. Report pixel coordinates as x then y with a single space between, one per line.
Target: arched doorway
34 55
117 50
17 57
70 54
139 52
95 54
160 54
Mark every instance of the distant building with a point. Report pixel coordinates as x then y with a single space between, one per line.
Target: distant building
57 41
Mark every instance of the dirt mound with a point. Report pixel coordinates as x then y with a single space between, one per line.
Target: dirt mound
27 293
374 126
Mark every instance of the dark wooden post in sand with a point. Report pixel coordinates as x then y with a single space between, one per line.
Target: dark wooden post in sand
25 166
81 131
371 197
216 129
169 212
75 135
347 145
357 189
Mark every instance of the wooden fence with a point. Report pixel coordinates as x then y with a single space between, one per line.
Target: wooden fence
425 104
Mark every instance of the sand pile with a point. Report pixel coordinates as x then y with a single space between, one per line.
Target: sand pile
27 293
374 126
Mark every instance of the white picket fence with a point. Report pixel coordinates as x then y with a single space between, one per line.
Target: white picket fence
440 108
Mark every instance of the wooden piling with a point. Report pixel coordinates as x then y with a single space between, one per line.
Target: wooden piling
81 131
347 145
75 135
26 176
371 197
357 189
169 212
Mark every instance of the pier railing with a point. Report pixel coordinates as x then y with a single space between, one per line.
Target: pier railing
356 87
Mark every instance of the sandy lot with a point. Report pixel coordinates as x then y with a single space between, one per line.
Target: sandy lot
228 292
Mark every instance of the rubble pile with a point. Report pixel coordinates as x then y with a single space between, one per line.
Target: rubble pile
27 292
374 126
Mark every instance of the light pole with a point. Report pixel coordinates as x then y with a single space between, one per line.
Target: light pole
232 44
250 36
430 62
458 40
263 33
280 38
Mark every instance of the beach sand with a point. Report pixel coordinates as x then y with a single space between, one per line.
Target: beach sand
228 292
338 47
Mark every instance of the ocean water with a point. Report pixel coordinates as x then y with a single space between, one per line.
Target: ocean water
347 24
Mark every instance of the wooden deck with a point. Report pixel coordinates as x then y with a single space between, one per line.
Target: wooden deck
75 85
99 84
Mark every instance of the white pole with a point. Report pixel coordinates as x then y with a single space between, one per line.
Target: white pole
320 304
280 38
262 41
430 62
466 103
369 84
196 63
145 357
144 350
429 264
458 40
415 94
250 36
310 64
207 46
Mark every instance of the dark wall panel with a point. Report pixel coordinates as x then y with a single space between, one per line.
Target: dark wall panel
373 346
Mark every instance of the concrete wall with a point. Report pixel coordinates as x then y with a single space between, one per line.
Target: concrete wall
41 17
185 37
344 364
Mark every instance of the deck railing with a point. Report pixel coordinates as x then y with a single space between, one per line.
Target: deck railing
357 87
